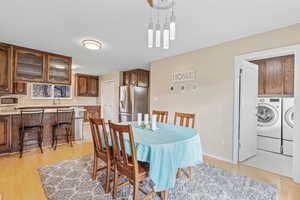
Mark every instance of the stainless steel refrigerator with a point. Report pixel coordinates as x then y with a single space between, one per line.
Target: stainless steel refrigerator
133 100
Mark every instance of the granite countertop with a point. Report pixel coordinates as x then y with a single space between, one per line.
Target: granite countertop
10 110
55 106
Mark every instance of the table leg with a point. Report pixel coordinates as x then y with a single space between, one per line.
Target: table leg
164 194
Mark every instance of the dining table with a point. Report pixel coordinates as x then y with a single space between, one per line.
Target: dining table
167 148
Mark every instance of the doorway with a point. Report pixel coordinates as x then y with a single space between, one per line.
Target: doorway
238 106
108 100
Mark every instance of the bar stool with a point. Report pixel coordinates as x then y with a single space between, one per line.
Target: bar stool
64 120
31 128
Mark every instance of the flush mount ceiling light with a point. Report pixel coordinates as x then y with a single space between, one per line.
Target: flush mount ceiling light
92 44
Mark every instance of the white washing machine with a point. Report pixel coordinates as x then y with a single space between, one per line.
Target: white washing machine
269 124
288 123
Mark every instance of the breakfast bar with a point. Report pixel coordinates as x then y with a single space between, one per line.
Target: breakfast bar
10 123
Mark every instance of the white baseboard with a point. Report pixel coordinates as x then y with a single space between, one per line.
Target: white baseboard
218 158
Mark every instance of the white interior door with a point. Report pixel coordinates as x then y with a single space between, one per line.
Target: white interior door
108 101
248 118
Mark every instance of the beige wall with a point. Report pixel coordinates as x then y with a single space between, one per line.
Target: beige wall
27 100
213 102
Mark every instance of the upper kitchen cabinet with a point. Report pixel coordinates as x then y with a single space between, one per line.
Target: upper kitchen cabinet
29 65
288 63
276 75
59 69
93 86
5 68
138 77
143 78
20 88
87 85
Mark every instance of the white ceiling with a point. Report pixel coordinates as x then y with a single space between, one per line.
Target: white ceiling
59 26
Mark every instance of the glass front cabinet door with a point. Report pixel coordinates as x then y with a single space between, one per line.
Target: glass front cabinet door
59 69
29 65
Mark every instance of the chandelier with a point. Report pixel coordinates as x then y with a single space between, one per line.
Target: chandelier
162 25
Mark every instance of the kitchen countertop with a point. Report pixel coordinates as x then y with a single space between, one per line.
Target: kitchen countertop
15 110
55 106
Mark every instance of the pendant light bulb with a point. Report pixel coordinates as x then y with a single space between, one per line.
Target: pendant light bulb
166 38
150 35
172 28
157 35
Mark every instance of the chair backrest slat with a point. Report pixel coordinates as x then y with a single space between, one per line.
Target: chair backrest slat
162 116
100 138
64 115
121 156
186 117
32 117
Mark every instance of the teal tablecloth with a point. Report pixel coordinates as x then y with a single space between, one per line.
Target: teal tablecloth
167 149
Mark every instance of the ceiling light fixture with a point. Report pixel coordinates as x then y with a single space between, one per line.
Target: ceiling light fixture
162 8
92 44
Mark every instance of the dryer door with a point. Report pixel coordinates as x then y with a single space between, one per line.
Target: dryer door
267 115
289 117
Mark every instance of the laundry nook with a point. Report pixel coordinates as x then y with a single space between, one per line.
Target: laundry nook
272 81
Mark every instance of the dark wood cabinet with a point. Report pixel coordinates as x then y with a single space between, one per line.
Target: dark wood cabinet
93 86
59 69
20 64
138 77
20 88
143 78
276 75
261 76
92 112
5 134
126 78
87 85
5 69
288 63
29 65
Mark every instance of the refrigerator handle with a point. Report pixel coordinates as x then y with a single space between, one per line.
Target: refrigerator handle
131 93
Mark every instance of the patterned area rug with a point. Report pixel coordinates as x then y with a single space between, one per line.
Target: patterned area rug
71 180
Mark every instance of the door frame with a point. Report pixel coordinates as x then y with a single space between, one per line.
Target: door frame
102 96
295 50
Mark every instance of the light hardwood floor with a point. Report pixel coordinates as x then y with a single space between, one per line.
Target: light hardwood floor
19 179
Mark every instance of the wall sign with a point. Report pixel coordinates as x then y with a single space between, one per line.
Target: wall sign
184 76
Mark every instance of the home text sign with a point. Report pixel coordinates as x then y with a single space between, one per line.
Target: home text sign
184 76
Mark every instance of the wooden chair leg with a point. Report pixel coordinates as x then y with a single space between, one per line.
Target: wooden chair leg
190 173
52 145
136 190
95 166
67 135
115 183
164 194
178 175
70 136
108 174
55 138
21 142
40 140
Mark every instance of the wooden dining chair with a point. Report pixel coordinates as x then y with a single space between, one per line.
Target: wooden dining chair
102 150
127 165
187 118
162 116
